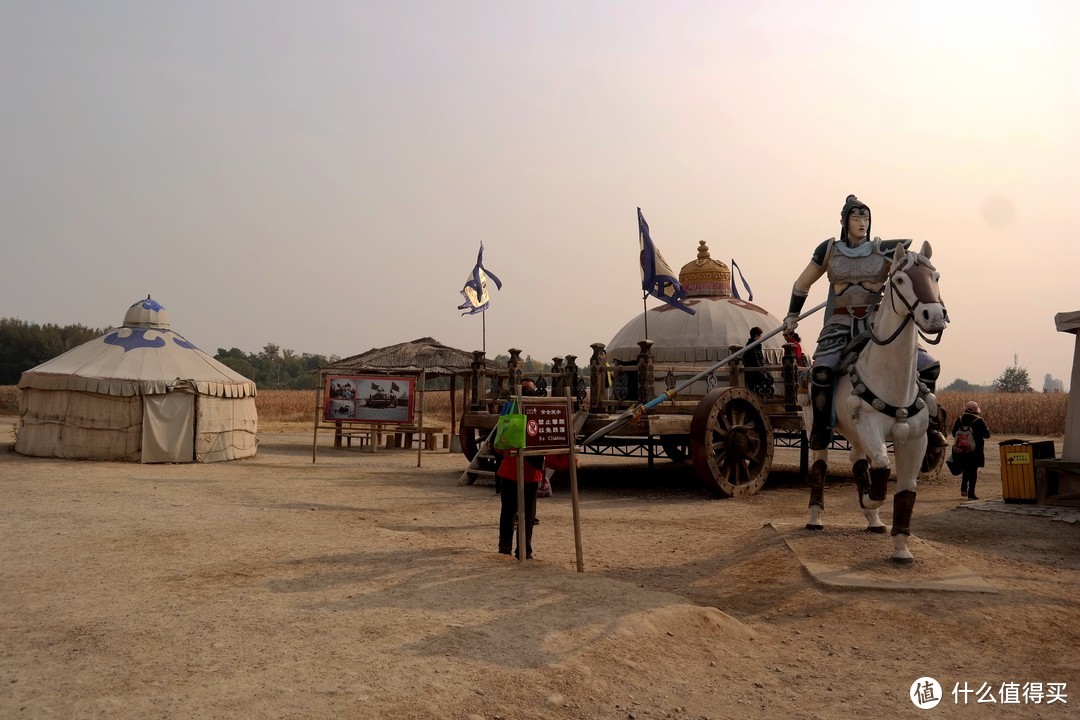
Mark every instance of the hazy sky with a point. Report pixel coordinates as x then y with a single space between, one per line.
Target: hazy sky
319 175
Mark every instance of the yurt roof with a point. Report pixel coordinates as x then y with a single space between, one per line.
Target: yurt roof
720 320
142 357
424 354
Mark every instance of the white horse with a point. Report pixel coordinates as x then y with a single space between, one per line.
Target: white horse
880 399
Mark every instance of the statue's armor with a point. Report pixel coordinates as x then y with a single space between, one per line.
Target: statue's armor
856 278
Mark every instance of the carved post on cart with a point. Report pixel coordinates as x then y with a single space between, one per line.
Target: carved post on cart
477 382
597 377
558 382
572 378
513 366
646 383
735 367
791 378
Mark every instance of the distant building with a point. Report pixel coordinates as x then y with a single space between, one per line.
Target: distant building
1052 384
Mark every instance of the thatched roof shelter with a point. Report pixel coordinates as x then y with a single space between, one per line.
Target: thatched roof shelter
425 354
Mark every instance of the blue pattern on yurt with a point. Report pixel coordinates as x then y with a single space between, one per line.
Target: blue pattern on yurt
136 339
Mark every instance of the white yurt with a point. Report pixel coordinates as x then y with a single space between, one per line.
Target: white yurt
139 393
720 321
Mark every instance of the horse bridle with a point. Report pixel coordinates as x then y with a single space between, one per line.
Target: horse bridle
910 307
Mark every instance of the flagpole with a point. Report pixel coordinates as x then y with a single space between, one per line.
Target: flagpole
483 316
645 313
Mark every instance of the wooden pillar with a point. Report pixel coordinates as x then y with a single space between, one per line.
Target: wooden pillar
514 367
453 403
420 425
318 414
558 388
735 367
597 377
791 377
572 377
646 383
477 381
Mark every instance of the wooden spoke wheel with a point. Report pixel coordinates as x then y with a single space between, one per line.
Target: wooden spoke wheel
676 447
471 438
731 442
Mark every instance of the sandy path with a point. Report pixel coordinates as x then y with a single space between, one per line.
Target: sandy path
365 587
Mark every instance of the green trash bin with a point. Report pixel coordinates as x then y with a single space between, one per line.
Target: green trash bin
1018 468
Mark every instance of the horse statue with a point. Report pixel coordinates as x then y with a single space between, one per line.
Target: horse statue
884 400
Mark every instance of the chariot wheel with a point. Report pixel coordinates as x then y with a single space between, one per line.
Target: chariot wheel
731 442
471 438
676 447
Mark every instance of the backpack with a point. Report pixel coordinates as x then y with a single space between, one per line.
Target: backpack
964 440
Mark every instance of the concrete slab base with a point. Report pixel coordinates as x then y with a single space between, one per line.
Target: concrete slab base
853 558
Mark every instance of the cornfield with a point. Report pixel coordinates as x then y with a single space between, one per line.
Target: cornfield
9 400
1040 414
1012 413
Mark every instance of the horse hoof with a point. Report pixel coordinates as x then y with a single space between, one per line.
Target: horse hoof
814 527
876 529
904 560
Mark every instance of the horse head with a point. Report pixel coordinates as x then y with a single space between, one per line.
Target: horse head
914 280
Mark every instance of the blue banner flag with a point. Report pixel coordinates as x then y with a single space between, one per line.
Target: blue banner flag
657 277
734 290
476 287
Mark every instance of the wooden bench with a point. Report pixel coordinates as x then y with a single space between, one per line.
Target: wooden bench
403 438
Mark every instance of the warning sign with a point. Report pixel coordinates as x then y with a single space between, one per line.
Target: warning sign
547 425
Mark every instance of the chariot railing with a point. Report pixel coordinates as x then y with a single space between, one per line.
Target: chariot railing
613 387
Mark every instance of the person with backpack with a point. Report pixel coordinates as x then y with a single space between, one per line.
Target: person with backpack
969 432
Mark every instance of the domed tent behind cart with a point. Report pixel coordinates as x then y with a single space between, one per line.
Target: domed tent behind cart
705 411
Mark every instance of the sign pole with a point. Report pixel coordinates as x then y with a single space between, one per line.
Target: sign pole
574 487
318 408
520 452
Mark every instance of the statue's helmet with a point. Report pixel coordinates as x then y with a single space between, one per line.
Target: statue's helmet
853 204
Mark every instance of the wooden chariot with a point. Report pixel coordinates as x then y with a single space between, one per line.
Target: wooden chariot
723 429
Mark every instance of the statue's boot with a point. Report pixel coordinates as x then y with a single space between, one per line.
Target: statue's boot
821 399
936 442
935 438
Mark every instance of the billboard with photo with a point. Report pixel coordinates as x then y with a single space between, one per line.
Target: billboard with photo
369 398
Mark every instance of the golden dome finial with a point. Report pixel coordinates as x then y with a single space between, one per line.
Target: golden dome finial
702 252
705 277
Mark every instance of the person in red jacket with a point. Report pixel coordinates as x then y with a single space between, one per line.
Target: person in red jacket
533 474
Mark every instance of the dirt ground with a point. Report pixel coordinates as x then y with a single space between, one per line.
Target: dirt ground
362 586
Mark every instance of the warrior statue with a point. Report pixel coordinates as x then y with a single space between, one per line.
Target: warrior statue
857 268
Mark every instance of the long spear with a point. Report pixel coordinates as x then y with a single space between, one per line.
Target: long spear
635 413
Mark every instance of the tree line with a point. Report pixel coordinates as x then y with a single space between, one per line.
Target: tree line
275 368
24 345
